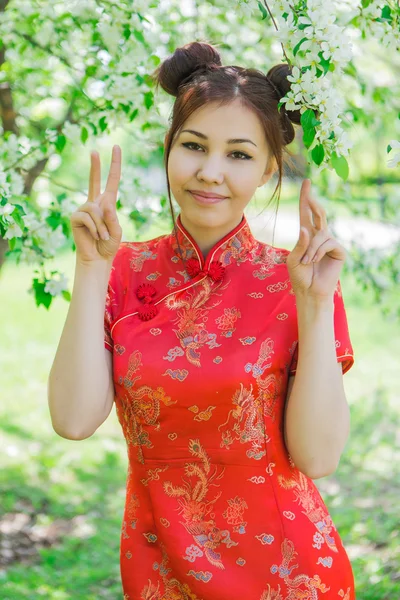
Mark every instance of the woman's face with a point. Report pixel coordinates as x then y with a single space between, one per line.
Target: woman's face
233 170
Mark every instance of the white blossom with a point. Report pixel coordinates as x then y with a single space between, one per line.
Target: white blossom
56 286
394 160
6 210
13 231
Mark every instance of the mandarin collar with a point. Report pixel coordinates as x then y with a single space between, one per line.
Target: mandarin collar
234 246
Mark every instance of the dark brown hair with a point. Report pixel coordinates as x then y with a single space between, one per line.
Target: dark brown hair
195 75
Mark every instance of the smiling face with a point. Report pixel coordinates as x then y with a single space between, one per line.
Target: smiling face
233 170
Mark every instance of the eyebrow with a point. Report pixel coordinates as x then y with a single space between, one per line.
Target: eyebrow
233 141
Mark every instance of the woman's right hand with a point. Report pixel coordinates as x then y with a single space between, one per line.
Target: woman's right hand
98 215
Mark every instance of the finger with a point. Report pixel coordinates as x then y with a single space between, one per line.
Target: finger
114 174
305 208
319 238
80 217
319 214
328 246
96 214
94 177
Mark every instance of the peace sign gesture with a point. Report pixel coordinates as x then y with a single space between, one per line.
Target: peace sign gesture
314 279
97 218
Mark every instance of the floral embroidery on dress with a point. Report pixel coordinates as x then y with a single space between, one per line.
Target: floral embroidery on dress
141 251
313 508
311 584
139 407
132 508
173 589
192 313
234 514
227 321
196 508
245 423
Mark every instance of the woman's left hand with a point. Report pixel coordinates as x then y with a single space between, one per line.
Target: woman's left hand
315 279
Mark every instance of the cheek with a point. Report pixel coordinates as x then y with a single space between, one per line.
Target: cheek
180 168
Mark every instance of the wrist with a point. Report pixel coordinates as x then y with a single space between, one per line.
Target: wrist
314 303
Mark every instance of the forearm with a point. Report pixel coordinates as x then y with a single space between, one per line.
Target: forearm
317 420
79 379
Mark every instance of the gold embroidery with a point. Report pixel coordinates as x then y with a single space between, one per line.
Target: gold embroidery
139 407
174 589
313 508
205 415
195 508
311 584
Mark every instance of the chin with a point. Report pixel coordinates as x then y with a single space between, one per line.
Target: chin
206 216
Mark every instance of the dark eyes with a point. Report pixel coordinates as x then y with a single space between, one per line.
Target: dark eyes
246 156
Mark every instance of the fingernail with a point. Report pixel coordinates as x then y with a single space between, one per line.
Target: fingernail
105 236
305 260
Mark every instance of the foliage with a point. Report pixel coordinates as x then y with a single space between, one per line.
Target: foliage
74 73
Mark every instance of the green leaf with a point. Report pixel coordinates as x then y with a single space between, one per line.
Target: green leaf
389 148
155 59
308 120
126 32
139 36
137 217
148 99
318 154
41 296
297 46
325 64
386 12
341 166
60 143
84 135
134 114
67 295
365 3
103 123
263 11
91 70
308 137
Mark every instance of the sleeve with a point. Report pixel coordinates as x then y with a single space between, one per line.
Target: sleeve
344 349
113 300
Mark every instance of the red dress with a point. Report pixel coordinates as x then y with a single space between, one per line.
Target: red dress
215 507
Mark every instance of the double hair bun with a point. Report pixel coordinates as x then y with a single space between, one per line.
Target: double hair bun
196 58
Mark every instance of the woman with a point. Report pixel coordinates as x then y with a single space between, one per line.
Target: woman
203 328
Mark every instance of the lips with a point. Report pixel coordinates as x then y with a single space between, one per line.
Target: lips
206 200
207 194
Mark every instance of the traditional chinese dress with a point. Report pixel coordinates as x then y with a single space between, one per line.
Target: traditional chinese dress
215 507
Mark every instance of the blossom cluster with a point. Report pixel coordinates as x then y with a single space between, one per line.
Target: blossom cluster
103 67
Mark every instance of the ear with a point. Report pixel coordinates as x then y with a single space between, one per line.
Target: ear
272 167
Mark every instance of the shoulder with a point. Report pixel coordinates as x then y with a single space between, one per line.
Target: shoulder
266 252
132 248
133 255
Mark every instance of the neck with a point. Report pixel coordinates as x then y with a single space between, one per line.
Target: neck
206 237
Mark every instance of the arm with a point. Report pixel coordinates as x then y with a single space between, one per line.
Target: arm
317 416
79 384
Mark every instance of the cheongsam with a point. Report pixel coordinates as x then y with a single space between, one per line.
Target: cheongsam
202 351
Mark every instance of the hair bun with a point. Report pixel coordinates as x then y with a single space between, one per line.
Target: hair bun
171 73
277 76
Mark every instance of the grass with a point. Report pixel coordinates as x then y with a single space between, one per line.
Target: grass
78 488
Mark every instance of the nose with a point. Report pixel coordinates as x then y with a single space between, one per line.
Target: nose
210 170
